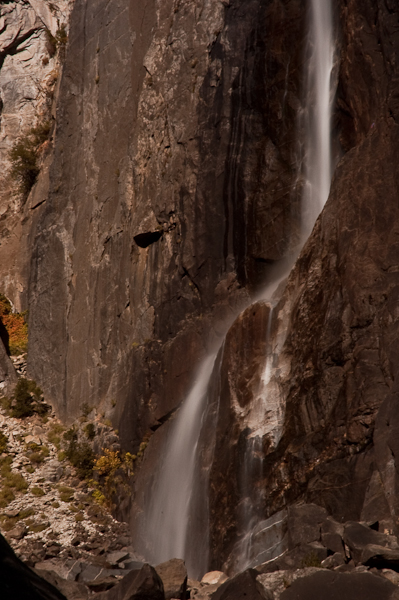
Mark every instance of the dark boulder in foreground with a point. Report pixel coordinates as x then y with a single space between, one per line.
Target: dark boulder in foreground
17 581
243 585
141 584
341 586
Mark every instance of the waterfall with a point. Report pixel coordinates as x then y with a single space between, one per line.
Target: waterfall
167 525
167 521
318 98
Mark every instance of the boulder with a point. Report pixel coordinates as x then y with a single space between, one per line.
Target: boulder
380 557
304 523
214 577
18 581
330 585
358 536
304 555
142 584
67 569
71 589
333 542
243 585
174 578
335 560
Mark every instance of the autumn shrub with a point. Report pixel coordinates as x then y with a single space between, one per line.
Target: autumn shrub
112 468
15 325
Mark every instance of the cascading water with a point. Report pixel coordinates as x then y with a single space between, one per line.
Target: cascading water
167 524
318 99
317 167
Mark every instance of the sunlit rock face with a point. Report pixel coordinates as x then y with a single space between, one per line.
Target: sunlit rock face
29 70
172 192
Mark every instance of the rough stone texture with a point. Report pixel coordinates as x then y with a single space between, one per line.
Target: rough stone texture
174 578
142 250
137 585
28 76
174 187
243 585
358 537
337 372
330 586
18 581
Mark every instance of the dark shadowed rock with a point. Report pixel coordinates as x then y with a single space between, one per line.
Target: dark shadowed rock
243 585
143 584
358 537
72 590
304 523
17 581
380 557
327 585
174 578
8 376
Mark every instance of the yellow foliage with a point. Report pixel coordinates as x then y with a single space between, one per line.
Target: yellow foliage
108 463
16 326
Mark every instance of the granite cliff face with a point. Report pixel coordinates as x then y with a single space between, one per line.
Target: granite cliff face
172 192
336 372
141 252
29 71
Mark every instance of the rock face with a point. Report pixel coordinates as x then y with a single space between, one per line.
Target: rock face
29 70
337 369
148 247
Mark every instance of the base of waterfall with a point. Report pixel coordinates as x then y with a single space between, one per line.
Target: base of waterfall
315 557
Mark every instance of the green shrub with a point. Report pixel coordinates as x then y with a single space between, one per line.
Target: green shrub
51 43
3 442
36 491
38 527
86 409
6 496
311 560
16 481
90 431
80 455
27 400
5 466
24 156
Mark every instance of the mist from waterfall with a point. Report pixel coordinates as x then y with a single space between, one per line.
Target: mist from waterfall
167 525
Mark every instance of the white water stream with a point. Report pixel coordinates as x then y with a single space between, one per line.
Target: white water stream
319 93
167 519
